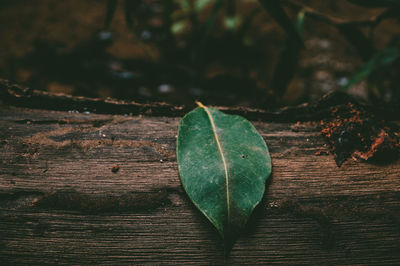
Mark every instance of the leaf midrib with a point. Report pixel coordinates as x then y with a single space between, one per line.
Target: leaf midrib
222 156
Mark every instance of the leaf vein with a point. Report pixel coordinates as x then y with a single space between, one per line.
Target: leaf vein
222 156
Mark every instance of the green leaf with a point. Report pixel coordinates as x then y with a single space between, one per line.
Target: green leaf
183 5
232 23
223 165
300 21
381 59
199 5
178 27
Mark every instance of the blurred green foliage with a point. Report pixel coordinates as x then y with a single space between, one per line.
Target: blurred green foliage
378 61
198 19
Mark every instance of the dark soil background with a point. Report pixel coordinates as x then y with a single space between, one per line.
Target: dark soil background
62 47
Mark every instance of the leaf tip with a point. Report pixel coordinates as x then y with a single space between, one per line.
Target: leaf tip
199 104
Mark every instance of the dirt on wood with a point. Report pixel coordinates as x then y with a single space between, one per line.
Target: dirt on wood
354 132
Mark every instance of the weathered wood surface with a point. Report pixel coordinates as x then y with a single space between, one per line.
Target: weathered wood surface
14 95
61 203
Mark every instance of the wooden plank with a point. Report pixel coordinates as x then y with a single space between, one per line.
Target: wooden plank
61 203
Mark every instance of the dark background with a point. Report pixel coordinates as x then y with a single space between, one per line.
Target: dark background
167 51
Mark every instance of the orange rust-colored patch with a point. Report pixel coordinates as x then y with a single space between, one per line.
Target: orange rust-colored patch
319 153
115 168
353 132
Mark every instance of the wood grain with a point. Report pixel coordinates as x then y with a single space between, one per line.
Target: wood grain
61 203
